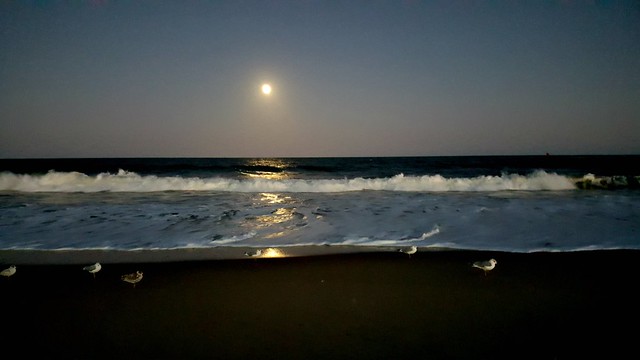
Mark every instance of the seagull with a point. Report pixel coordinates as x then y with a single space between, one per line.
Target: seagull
253 253
133 278
8 271
485 265
93 268
409 251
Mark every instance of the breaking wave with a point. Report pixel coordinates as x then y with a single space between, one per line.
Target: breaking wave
126 181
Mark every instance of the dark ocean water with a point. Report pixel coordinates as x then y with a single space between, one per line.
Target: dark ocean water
505 203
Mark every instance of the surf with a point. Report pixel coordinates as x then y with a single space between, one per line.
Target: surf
127 181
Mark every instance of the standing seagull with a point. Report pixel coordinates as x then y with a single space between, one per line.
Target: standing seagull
8 271
256 253
93 268
409 251
133 278
485 265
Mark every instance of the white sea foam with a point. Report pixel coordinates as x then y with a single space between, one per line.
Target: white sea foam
234 239
389 242
513 221
125 181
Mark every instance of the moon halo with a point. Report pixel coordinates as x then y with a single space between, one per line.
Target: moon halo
266 89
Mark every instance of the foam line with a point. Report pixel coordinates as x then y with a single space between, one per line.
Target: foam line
125 181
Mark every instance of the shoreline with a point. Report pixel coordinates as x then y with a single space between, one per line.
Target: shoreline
74 257
71 257
433 304
83 256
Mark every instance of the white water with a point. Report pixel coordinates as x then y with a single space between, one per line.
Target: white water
125 181
518 221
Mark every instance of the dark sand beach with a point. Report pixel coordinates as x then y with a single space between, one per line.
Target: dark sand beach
346 306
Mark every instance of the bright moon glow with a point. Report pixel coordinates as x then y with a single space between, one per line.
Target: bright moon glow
266 89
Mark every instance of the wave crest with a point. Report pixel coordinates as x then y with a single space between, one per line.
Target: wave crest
126 181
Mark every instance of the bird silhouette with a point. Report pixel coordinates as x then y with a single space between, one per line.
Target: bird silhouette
132 278
485 265
409 251
8 271
93 269
256 253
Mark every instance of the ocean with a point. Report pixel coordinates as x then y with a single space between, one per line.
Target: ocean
515 204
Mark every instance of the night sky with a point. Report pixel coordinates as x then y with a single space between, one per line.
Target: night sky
349 78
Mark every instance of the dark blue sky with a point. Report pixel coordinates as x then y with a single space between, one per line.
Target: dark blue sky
350 78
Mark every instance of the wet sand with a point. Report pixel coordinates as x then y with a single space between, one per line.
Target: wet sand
346 306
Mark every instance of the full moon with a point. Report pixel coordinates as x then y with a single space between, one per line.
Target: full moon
266 89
